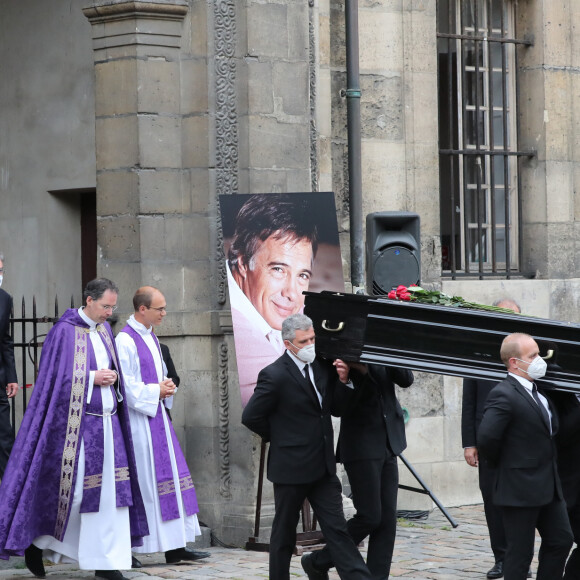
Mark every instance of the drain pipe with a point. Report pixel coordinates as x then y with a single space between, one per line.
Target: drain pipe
353 94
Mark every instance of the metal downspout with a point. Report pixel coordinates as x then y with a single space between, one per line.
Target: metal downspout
353 94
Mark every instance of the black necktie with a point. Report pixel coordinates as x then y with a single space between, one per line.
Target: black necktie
541 405
309 381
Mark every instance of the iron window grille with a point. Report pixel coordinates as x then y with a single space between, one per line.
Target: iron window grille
479 159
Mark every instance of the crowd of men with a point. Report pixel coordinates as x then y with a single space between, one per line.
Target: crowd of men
96 471
96 456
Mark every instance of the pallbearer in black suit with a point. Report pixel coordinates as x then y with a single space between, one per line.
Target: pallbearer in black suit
475 393
291 408
568 445
372 434
517 436
8 383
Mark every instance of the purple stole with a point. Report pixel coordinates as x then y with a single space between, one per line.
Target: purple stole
93 437
161 453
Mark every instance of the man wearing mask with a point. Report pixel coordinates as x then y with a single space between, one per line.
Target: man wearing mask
517 436
291 408
475 393
8 384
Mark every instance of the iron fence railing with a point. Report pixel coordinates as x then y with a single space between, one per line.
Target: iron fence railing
28 332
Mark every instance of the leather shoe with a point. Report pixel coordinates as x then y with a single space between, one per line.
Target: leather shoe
496 571
33 561
312 572
110 575
174 556
135 563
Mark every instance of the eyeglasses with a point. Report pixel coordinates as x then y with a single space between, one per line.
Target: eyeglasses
160 309
111 308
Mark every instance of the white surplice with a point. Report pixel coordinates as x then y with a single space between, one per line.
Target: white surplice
143 401
99 540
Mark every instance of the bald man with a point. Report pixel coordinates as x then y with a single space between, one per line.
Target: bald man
475 393
164 478
516 435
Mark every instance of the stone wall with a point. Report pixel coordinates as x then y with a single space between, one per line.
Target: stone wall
47 147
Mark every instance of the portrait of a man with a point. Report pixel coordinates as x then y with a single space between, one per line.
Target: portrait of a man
277 246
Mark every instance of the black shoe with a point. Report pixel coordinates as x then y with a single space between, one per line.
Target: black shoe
33 561
110 575
135 563
312 572
174 556
496 571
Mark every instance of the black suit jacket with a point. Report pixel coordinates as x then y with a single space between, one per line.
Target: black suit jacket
568 444
514 436
285 411
7 366
171 372
475 393
374 418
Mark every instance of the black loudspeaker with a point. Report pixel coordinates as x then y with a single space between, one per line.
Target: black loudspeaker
393 252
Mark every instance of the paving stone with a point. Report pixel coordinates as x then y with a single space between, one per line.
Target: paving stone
425 550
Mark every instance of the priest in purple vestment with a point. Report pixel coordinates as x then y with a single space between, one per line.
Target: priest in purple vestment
70 492
166 484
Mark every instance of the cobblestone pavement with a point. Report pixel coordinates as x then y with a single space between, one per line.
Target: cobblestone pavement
425 550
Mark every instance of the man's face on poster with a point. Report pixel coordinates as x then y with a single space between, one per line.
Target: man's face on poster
276 276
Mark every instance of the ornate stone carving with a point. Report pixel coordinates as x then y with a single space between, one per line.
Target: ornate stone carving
312 61
226 116
224 422
221 262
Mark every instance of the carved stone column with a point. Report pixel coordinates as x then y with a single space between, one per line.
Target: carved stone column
138 140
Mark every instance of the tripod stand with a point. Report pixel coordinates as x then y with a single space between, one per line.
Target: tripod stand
425 490
310 538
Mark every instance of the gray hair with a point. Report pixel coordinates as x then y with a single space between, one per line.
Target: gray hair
97 287
293 323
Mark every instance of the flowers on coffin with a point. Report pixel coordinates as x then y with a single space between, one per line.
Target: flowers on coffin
414 293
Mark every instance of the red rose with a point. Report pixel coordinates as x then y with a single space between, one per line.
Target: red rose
405 296
400 290
392 295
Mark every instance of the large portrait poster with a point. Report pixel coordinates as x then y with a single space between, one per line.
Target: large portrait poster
276 247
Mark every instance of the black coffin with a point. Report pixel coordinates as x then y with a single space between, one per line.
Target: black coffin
437 339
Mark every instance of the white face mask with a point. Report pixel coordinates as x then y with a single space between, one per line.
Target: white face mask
536 369
306 354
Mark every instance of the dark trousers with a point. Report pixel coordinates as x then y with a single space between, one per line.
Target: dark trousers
325 497
520 524
374 484
493 513
573 564
6 437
